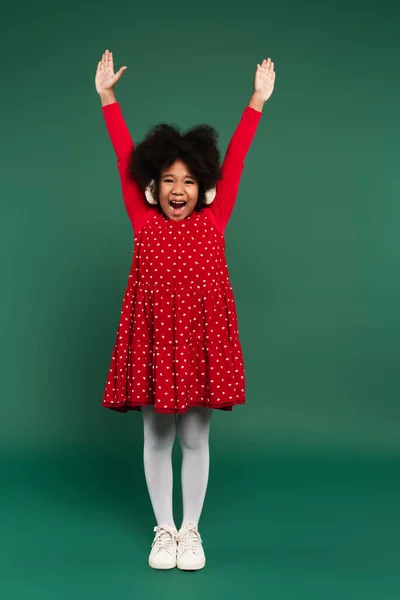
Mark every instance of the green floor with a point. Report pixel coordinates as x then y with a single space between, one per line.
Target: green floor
286 529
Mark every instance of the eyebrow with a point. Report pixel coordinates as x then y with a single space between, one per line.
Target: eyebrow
172 175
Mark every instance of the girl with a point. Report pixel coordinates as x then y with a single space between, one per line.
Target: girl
177 354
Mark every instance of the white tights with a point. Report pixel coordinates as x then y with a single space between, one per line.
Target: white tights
159 434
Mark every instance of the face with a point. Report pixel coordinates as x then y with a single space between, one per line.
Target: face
178 191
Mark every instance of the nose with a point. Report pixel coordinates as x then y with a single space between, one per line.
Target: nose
177 191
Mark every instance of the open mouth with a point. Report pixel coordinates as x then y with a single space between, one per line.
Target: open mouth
177 205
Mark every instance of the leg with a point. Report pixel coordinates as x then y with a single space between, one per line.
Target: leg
159 436
193 433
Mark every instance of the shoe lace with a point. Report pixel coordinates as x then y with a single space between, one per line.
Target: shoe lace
189 539
164 539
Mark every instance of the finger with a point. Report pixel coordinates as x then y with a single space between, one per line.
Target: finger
110 60
118 75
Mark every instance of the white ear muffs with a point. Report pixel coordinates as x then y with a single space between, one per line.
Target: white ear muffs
210 195
149 193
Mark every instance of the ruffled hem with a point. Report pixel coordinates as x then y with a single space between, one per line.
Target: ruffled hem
125 407
174 378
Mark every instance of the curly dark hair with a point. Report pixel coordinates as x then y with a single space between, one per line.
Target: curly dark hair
164 144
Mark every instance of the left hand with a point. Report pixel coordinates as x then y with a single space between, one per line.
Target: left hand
264 79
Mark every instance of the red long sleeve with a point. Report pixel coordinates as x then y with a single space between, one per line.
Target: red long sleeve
135 202
227 187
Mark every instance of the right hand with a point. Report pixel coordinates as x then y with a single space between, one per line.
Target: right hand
105 77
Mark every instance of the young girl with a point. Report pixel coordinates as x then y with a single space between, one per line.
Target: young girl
177 355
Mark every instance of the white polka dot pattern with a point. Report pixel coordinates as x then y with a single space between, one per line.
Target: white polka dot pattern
177 343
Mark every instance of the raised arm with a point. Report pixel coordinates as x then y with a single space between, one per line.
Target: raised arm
232 167
135 203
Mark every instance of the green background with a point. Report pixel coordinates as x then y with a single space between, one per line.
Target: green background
304 484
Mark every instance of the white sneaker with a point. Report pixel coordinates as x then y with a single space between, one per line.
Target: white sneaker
163 548
190 550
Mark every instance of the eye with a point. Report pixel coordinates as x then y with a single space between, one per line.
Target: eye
168 180
189 181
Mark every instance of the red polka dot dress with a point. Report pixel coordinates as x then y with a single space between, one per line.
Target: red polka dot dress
177 343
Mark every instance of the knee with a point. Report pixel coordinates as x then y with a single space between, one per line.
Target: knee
159 439
159 442
193 439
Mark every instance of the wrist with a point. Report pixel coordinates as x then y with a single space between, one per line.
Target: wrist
256 101
107 97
